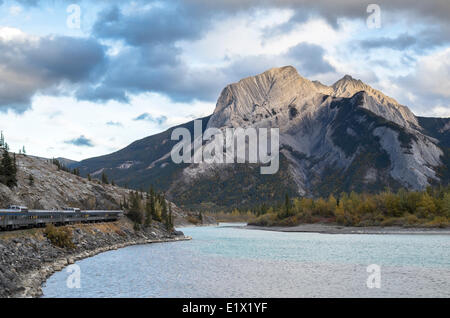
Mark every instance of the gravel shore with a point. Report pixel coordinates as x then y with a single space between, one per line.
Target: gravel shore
337 229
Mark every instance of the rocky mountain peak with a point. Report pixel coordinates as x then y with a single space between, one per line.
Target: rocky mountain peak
264 99
281 97
348 86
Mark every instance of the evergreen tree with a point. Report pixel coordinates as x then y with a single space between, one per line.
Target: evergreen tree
30 180
148 211
153 210
104 178
168 218
163 208
135 213
8 170
287 206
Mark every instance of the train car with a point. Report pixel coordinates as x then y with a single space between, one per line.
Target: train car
11 219
18 208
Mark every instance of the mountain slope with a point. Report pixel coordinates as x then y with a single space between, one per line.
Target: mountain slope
343 137
144 162
54 189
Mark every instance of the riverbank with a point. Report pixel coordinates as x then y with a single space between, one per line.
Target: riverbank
28 258
338 229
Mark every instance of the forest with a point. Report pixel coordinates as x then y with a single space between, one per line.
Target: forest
428 208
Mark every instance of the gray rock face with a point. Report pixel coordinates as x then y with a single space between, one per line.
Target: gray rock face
307 116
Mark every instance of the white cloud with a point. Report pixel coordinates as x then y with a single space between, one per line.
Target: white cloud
43 133
433 73
15 10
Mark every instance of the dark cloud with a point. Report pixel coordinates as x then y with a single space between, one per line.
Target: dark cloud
135 71
424 40
158 25
400 42
191 12
147 117
151 60
31 65
81 141
309 59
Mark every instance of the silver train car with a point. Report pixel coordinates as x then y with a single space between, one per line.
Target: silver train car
17 217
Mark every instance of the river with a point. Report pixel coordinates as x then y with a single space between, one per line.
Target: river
227 261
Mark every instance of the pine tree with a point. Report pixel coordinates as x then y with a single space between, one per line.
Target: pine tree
76 171
104 178
135 213
8 170
89 177
153 211
168 218
30 180
163 208
148 212
287 206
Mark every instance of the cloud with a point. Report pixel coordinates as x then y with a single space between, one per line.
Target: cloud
421 41
137 70
81 141
162 24
400 42
432 75
310 59
15 10
114 123
30 64
428 86
147 117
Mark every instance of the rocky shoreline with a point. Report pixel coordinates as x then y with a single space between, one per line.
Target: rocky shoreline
28 258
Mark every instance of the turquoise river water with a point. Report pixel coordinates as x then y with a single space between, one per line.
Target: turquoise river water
227 261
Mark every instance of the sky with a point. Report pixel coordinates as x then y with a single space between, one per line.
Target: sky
80 79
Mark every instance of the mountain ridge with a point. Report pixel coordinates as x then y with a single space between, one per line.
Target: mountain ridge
343 137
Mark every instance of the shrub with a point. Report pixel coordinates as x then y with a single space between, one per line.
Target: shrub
193 219
438 221
412 219
61 237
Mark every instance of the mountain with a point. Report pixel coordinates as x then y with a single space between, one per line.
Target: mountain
67 162
343 137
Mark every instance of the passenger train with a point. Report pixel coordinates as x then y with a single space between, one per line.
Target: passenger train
16 217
